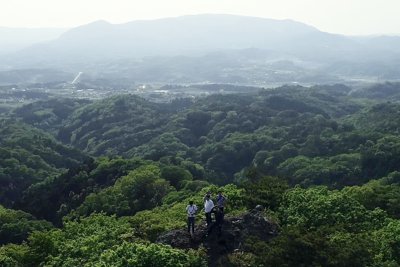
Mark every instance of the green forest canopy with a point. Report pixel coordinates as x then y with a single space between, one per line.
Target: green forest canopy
94 183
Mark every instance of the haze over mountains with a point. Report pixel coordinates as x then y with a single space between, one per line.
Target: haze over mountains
213 48
15 39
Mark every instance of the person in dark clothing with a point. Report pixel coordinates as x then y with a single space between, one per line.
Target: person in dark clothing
220 200
219 219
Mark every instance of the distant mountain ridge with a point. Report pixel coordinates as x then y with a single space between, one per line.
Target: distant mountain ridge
102 48
167 37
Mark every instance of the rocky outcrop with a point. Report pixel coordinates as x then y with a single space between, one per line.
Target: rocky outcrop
235 230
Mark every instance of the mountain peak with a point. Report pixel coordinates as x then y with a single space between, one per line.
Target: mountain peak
100 22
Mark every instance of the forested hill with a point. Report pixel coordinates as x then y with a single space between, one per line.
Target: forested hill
281 131
28 156
97 183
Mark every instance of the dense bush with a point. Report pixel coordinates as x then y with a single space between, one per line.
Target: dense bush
16 225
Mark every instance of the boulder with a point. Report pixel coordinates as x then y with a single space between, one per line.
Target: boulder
235 230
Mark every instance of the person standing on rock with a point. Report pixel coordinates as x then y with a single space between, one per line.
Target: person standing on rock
220 200
219 220
208 207
191 210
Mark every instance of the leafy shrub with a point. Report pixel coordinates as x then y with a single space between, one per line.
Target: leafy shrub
149 255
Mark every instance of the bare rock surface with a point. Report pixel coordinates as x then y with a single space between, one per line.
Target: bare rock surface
235 230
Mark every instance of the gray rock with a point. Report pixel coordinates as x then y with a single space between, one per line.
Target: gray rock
235 231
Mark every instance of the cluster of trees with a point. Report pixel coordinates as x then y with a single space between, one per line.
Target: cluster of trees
16 225
108 184
48 115
97 240
273 130
28 156
322 160
357 226
322 227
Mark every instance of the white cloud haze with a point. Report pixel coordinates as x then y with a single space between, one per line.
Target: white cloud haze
337 16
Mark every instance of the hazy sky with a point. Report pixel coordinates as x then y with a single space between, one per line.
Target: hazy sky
336 16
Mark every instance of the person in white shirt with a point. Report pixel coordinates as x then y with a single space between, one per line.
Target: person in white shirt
208 207
191 210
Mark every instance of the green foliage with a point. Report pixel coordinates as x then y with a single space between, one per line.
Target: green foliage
266 191
195 185
264 141
41 244
54 198
97 240
82 242
388 242
381 157
28 156
315 207
114 125
12 255
161 146
321 227
378 194
176 176
322 247
143 188
77 244
149 255
16 225
348 249
197 122
384 91
195 169
223 133
148 224
380 118
338 170
48 115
